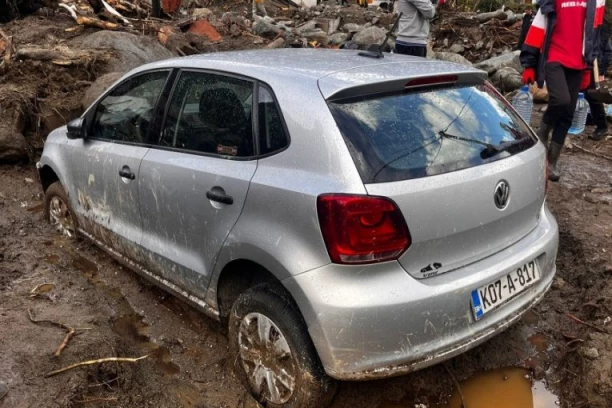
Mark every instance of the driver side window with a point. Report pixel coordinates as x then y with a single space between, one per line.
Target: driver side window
125 113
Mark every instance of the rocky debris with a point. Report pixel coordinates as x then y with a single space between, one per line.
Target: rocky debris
13 146
370 35
338 38
204 28
452 57
266 28
507 79
3 389
509 60
589 352
278 43
99 86
351 28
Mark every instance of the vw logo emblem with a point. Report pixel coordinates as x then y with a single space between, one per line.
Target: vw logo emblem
502 194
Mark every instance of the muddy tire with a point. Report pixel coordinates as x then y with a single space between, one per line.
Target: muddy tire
58 211
272 352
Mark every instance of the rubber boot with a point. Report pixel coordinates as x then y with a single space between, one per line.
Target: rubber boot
554 152
544 133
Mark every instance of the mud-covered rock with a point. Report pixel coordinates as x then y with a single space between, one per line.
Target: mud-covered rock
98 87
452 57
13 146
507 79
266 29
351 28
130 50
506 60
338 38
370 35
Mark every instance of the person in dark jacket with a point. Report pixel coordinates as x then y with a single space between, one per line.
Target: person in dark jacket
527 20
560 49
597 116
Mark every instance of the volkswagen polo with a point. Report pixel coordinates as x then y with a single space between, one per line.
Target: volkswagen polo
348 217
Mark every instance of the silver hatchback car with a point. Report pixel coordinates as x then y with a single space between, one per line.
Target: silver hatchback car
349 217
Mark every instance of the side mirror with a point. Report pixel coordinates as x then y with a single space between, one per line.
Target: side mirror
77 129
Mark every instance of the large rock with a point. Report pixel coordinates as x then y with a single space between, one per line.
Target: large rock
507 79
130 50
370 35
98 87
510 59
457 48
13 146
351 28
338 38
265 29
317 35
451 57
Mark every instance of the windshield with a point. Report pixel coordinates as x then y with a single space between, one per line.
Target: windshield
419 134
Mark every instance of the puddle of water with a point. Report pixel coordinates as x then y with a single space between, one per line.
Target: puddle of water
52 259
36 208
503 388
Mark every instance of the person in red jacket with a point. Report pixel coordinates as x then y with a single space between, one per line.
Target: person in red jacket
560 49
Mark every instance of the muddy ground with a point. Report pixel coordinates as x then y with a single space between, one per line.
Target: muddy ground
187 367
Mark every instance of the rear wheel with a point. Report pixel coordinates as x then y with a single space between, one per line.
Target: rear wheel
272 352
58 210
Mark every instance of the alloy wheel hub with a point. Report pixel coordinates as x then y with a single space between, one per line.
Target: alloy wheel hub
266 358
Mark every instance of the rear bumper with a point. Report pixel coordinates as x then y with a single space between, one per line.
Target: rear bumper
377 321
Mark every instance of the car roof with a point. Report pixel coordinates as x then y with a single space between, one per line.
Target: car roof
300 67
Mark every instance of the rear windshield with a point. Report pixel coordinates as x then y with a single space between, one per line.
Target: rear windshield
419 134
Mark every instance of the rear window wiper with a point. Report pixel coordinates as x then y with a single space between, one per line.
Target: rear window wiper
490 150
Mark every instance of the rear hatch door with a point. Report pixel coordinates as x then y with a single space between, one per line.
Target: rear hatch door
465 170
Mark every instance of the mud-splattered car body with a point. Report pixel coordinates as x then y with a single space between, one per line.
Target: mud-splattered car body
207 225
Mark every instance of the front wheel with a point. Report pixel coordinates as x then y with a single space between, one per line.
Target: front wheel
58 210
272 352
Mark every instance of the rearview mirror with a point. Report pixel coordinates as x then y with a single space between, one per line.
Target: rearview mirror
77 129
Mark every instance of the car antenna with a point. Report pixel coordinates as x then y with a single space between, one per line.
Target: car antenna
377 52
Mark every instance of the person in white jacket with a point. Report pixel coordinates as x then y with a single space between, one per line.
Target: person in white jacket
413 28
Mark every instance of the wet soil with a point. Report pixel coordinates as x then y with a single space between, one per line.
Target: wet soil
187 364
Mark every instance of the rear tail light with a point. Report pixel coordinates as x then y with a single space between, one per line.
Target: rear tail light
362 229
433 80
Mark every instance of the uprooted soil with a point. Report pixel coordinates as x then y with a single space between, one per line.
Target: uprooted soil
187 366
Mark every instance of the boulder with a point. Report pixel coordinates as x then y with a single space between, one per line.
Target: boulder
370 35
510 59
338 38
507 79
308 26
457 48
130 50
351 28
98 87
452 57
265 29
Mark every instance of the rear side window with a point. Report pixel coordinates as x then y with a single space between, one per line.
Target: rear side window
418 134
272 136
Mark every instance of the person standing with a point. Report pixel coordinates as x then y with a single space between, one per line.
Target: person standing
597 116
560 49
413 28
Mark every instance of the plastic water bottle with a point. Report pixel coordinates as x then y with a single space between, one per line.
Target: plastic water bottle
580 116
609 110
523 103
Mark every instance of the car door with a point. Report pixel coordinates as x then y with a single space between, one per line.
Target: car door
193 185
106 163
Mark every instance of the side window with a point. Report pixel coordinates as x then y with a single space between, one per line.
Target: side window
272 136
126 112
210 113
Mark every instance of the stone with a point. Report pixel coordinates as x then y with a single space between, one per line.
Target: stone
370 35
559 283
589 352
13 146
205 29
98 87
338 38
351 28
452 57
235 30
317 35
3 389
130 50
510 59
265 29
457 48
507 79
199 13
479 45
308 26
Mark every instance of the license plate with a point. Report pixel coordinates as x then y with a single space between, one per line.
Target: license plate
490 296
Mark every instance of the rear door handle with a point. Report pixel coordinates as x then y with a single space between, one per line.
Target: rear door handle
219 197
125 172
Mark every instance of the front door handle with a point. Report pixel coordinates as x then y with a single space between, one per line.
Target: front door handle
125 172
219 196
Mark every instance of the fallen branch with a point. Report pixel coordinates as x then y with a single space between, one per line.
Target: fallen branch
574 318
71 331
601 156
484 17
88 21
115 13
92 362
